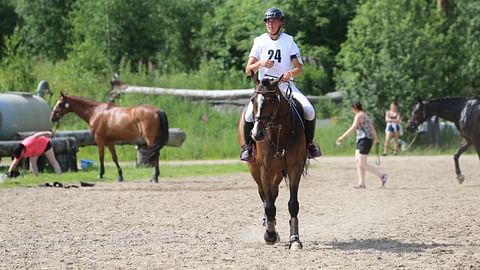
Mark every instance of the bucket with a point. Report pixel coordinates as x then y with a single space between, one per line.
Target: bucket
86 164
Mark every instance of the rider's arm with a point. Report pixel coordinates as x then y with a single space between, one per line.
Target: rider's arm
295 72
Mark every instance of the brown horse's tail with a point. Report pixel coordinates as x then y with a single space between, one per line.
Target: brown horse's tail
162 137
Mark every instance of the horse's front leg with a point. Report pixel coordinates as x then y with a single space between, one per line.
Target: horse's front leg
465 145
271 235
293 208
111 147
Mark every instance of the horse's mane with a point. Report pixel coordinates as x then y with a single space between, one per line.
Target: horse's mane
85 100
453 99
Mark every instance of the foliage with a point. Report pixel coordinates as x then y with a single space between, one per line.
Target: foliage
16 67
8 21
46 26
392 52
465 44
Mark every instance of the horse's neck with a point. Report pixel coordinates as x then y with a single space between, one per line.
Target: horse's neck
83 108
448 109
283 112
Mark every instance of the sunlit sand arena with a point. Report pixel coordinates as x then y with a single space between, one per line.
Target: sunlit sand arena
423 219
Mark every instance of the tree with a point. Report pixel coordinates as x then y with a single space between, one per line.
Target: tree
396 50
105 32
8 20
16 68
465 43
46 27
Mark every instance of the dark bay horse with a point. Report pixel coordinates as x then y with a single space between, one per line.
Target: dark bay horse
109 124
280 153
463 112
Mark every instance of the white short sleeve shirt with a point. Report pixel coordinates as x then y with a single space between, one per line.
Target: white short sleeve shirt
280 51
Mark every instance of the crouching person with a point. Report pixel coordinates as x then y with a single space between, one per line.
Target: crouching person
33 147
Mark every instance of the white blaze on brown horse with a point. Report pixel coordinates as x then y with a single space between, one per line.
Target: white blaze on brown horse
110 124
280 153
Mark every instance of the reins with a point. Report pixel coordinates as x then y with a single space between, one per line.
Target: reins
296 81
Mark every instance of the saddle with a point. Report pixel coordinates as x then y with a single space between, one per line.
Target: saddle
297 109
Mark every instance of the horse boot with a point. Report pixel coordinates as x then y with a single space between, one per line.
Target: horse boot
313 150
246 154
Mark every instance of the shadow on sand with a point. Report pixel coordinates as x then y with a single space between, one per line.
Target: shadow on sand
386 245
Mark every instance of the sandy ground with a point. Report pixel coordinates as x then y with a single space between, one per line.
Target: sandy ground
423 219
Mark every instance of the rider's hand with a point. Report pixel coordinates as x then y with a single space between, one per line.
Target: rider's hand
266 63
287 76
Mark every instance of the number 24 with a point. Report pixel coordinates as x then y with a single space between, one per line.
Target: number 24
277 55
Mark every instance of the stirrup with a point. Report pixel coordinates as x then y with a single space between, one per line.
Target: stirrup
246 153
313 151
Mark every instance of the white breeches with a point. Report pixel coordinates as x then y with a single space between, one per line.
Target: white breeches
308 109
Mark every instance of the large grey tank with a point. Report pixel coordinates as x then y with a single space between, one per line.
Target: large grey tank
23 112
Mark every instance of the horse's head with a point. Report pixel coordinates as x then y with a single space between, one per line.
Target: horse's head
265 100
61 108
417 117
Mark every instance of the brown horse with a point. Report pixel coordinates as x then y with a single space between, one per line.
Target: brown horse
280 153
110 124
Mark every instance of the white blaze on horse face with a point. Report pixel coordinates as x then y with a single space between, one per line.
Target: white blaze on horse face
259 100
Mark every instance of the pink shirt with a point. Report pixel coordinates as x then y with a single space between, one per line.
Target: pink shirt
34 146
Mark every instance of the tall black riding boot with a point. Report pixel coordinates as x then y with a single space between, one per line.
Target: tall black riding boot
313 150
246 153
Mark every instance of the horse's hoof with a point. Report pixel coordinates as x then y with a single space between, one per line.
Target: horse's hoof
296 245
271 238
153 180
120 179
460 178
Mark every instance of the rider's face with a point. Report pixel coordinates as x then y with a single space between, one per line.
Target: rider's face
273 25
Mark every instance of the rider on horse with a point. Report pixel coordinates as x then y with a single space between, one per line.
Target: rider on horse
274 54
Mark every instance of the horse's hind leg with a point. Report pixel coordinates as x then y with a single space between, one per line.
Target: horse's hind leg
157 168
293 208
101 157
111 147
465 145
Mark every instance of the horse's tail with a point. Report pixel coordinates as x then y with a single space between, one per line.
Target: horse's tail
163 134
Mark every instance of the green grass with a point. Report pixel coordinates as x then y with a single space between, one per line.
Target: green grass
130 173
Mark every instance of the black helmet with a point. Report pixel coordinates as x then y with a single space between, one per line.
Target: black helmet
273 13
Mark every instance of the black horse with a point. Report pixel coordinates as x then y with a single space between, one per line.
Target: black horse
463 112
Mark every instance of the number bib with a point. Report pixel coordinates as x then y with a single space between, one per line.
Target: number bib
280 51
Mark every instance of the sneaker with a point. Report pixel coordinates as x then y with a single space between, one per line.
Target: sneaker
360 186
246 154
313 151
384 179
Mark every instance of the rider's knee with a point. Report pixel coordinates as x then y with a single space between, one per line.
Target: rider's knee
309 112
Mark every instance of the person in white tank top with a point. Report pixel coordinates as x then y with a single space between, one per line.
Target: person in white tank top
275 54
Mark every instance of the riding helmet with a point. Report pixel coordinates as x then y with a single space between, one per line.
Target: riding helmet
273 13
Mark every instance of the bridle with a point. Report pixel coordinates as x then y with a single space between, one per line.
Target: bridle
274 116
424 115
276 105
59 109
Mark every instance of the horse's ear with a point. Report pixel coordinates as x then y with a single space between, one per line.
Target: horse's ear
61 94
279 79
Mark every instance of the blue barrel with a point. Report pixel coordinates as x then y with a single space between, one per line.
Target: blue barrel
20 112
